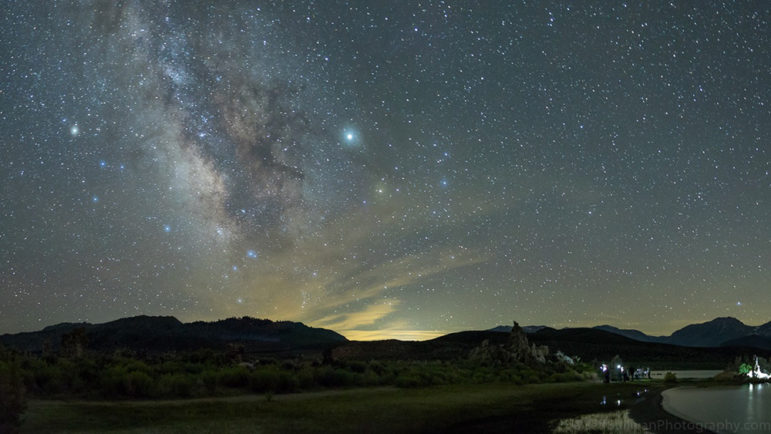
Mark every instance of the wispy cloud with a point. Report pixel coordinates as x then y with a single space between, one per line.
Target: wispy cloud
393 329
338 277
388 333
368 316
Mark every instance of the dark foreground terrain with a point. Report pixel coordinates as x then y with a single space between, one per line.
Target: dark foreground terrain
248 375
454 408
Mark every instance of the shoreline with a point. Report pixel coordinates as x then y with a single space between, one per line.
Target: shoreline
493 408
650 414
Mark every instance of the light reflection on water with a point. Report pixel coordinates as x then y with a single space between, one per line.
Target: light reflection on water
737 409
691 374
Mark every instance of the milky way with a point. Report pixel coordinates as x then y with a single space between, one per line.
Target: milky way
385 169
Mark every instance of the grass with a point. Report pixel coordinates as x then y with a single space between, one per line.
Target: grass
459 408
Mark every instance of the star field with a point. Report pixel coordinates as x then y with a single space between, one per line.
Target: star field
386 169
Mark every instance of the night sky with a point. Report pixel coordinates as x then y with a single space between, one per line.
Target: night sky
386 169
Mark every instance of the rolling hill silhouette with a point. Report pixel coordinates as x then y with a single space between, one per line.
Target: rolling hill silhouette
166 333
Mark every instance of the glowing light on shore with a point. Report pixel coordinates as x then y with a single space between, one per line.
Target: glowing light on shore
757 373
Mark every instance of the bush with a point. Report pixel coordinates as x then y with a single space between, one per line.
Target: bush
408 380
117 381
358 367
287 382
137 384
370 378
176 385
209 380
111 381
264 380
234 377
12 401
670 377
329 377
377 367
305 379
561 377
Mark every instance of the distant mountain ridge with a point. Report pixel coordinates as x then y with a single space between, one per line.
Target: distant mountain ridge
711 333
167 333
632 334
153 334
586 343
752 341
722 331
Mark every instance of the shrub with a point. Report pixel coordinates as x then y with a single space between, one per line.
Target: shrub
54 378
264 380
305 379
330 377
111 381
561 377
117 381
137 384
408 380
12 401
370 378
529 377
176 385
356 366
287 382
670 377
209 380
237 376
377 367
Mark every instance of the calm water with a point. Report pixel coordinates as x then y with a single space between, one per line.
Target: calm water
731 409
694 374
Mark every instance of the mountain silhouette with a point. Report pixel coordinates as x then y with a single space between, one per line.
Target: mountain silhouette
753 341
166 333
723 331
632 334
711 333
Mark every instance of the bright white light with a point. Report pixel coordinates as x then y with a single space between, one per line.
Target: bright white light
350 137
74 130
756 372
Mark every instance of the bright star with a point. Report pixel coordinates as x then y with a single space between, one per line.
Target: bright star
251 254
74 130
350 137
166 228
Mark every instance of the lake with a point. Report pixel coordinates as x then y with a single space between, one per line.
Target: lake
692 374
729 409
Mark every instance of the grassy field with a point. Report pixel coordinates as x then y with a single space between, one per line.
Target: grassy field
459 408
